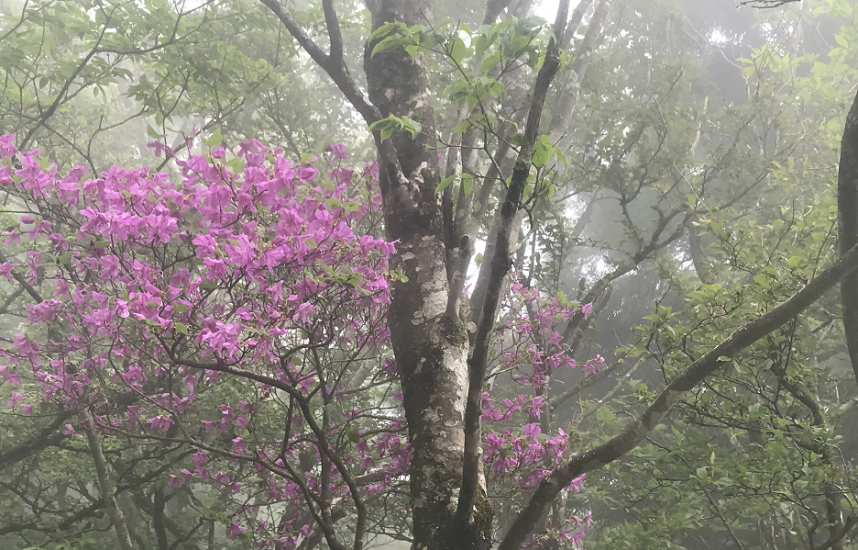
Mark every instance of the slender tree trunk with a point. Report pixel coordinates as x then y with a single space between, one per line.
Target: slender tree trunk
847 211
117 518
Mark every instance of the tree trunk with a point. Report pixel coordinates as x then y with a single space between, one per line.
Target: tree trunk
847 211
431 348
117 518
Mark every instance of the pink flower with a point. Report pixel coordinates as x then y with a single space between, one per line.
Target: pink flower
576 484
217 268
303 312
160 147
161 422
338 151
235 530
17 397
43 312
7 148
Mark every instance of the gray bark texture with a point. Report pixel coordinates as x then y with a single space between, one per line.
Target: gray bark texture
431 347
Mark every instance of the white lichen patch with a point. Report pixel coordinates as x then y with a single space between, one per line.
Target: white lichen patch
420 100
434 301
417 173
434 294
457 361
431 416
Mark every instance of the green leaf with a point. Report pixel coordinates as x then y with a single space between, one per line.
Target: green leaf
498 89
152 133
490 61
386 126
462 126
468 183
236 165
481 44
390 43
181 328
542 152
458 51
385 29
215 139
412 126
445 183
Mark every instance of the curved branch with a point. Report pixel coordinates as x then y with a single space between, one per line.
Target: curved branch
499 266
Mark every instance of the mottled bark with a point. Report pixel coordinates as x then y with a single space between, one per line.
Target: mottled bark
698 257
431 347
847 214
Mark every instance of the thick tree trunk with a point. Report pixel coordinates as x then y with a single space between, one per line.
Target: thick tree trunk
431 347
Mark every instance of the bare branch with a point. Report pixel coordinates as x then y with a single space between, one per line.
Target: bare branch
22 281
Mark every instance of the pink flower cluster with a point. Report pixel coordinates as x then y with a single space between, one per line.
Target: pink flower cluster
158 295
534 346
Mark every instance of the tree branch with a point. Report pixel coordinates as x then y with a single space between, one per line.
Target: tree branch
108 495
499 267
